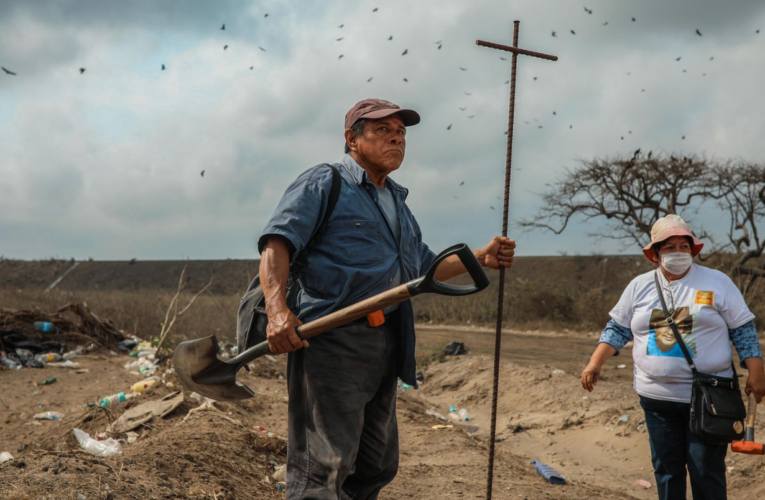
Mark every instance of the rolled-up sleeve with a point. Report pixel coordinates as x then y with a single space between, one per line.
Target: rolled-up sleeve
745 340
616 336
297 214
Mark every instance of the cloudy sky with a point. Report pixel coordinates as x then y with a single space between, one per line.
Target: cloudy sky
107 163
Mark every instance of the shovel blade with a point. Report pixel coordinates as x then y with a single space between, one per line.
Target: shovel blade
200 370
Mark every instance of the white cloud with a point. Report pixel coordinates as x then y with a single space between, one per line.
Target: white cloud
107 164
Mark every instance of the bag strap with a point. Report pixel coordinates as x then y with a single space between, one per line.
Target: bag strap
334 194
668 319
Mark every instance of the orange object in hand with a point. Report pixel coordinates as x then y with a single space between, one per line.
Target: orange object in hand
376 318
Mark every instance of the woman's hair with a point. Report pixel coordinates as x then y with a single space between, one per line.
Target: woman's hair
660 244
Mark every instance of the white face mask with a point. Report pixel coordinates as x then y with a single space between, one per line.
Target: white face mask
676 263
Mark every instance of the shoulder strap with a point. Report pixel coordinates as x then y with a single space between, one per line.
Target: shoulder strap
672 324
334 194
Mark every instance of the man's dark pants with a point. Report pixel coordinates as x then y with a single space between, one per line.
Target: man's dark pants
673 447
343 434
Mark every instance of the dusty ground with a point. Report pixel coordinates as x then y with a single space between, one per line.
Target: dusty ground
223 454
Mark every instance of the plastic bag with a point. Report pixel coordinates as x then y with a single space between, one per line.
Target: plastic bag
105 448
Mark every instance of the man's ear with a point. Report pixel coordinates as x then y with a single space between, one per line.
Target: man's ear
351 139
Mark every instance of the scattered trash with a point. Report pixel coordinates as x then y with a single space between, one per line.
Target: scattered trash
258 428
48 381
459 416
131 437
11 364
200 399
144 385
65 364
621 367
70 355
280 473
49 415
470 429
440 426
20 348
731 469
456 349
433 413
558 372
547 472
134 417
642 482
50 357
623 419
28 359
144 366
115 399
5 457
402 386
105 448
45 327
127 344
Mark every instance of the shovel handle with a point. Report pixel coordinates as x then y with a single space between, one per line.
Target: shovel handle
425 284
354 312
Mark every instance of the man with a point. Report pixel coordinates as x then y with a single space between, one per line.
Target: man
343 435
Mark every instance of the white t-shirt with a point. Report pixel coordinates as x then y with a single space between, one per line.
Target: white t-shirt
706 304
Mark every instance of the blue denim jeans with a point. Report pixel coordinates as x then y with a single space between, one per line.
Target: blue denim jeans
674 448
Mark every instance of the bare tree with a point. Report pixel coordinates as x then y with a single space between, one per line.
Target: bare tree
630 194
744 199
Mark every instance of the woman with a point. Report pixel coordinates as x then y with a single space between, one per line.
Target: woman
710 313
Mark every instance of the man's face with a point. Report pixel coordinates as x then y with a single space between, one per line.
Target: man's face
382 144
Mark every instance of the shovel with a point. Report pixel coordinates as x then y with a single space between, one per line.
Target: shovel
200 370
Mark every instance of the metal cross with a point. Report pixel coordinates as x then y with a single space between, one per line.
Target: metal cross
498 338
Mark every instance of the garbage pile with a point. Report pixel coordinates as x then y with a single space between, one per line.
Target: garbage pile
18 350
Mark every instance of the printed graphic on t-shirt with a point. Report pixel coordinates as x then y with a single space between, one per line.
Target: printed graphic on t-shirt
661 339
705 298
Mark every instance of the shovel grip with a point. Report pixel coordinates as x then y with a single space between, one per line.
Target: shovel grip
429 283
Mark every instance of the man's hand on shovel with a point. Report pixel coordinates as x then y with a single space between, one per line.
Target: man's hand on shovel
282 337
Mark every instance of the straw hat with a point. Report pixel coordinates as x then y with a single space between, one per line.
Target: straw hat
666 227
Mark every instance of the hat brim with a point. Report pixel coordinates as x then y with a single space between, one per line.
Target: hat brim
409 116
696 244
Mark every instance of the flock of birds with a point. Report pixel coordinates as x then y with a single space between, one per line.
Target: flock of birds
439 46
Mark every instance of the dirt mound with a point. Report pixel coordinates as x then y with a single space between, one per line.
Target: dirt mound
228 452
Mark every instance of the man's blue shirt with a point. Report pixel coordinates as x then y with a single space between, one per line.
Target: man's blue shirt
357 256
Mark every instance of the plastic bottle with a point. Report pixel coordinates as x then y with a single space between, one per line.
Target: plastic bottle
48 381
45 327
49 357
143 385
115 399
70 355
10 363
49 415
464 415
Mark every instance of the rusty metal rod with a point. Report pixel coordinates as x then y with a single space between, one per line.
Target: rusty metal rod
501 291
516 50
